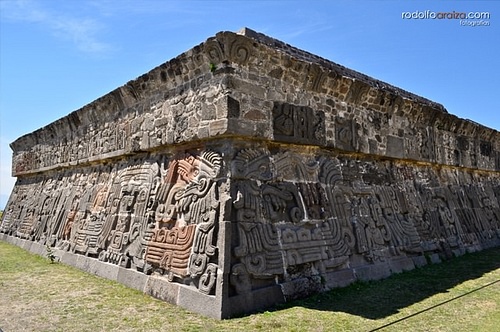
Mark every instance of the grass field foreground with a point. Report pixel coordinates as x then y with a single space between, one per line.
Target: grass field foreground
462 294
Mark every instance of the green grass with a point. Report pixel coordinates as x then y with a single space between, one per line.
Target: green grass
462 294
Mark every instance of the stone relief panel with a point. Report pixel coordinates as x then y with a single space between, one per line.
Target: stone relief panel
428 144
182 242
298 124
151 214
346 136
370 229
299 215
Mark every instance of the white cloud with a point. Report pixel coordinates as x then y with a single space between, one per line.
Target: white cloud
80 31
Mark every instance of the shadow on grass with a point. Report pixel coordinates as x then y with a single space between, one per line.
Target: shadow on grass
380 299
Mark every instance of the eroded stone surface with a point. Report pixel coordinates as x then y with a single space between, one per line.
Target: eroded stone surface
246 172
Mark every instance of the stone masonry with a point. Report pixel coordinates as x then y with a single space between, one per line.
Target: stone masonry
246 172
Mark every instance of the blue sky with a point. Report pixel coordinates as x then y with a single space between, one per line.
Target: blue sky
59 55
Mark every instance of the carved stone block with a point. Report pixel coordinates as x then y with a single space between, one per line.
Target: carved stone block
298 124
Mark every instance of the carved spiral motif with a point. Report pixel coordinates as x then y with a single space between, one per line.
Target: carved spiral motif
240 52
207 280
214 51
256 263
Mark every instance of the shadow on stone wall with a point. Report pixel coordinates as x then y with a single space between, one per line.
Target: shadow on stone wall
380 299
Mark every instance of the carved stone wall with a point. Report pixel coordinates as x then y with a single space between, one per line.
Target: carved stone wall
312 220
155 214
246 172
